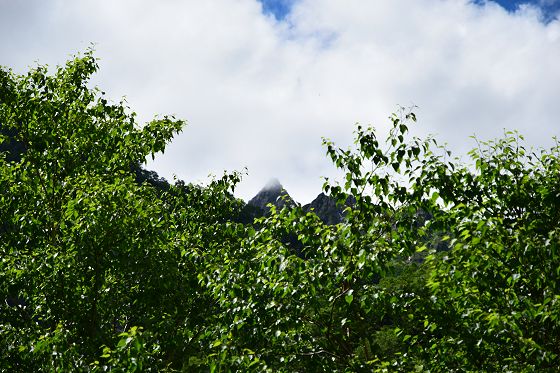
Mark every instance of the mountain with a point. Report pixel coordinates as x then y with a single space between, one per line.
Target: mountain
273 192
326 209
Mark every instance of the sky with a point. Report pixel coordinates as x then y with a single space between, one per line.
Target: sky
261 82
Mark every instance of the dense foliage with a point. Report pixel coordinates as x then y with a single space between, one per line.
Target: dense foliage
439 266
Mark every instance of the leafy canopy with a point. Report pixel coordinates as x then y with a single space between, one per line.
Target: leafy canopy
438 265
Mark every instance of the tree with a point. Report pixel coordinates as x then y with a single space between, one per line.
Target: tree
326 310
491 302
377 292
495 295
86 251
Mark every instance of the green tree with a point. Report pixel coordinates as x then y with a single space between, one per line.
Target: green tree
86 251
495 296
377 292
326 310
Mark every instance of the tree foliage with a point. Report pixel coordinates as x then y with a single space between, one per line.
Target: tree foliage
87 252
438 265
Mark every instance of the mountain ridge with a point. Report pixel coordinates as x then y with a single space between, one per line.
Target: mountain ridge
324 206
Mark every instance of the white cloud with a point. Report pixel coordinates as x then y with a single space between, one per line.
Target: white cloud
261 93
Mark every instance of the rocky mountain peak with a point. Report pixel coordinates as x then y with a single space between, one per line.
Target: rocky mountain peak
273 192
326 209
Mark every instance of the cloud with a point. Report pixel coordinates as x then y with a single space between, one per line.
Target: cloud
260 92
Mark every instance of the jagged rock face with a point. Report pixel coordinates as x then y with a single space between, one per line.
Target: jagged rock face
274 193
326 208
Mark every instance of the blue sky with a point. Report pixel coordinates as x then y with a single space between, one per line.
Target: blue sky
278 8
547 6
550 8
259 89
